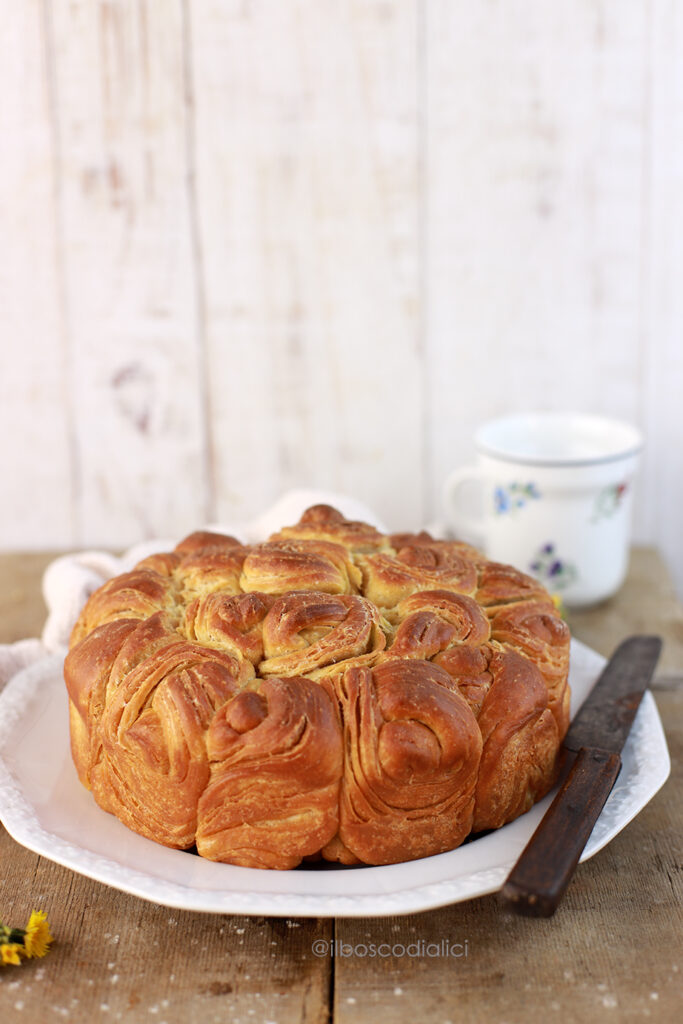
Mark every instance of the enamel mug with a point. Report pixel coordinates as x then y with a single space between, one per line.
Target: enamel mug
555 499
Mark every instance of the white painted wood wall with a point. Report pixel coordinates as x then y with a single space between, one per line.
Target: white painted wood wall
250 244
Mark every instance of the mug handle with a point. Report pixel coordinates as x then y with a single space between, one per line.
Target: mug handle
471 526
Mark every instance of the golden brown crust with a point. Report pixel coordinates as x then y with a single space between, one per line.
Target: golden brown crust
205 540
276 763
309 633
277 567
132 595
213 569
503 584
331 692
412 754
232 622
534 629
520 741
432 621
87 670
149 705
388 578
322 522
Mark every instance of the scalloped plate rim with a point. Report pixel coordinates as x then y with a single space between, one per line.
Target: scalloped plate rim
29 815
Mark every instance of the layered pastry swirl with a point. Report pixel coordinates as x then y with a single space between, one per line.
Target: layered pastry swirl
331 693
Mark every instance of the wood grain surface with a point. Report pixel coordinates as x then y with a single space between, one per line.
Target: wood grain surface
612 951
256 245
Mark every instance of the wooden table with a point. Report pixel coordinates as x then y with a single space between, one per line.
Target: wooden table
612 950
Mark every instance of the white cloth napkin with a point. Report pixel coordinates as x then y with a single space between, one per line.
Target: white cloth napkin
69 580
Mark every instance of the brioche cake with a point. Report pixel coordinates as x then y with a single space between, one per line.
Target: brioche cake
333 693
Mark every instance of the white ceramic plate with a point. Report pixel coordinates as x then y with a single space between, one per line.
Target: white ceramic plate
45 808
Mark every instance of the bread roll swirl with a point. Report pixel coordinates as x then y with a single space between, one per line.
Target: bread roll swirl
276 762
277 567
431 621
309 633
322 522
534 629
144 754
520 741
412 756
132 595
388 578
233 622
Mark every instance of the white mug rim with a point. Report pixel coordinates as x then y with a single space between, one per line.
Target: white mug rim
631 445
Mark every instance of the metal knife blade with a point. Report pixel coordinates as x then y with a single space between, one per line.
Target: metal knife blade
604 719
592 747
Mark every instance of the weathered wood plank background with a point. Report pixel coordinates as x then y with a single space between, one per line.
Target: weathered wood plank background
252 244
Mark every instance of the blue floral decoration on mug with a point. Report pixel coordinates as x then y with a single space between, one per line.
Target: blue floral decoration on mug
513 497
548 567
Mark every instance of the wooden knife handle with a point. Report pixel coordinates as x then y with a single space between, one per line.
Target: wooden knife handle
539 878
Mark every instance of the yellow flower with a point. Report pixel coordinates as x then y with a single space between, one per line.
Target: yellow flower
9 952
37 937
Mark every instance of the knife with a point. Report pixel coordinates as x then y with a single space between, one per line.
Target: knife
591 763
